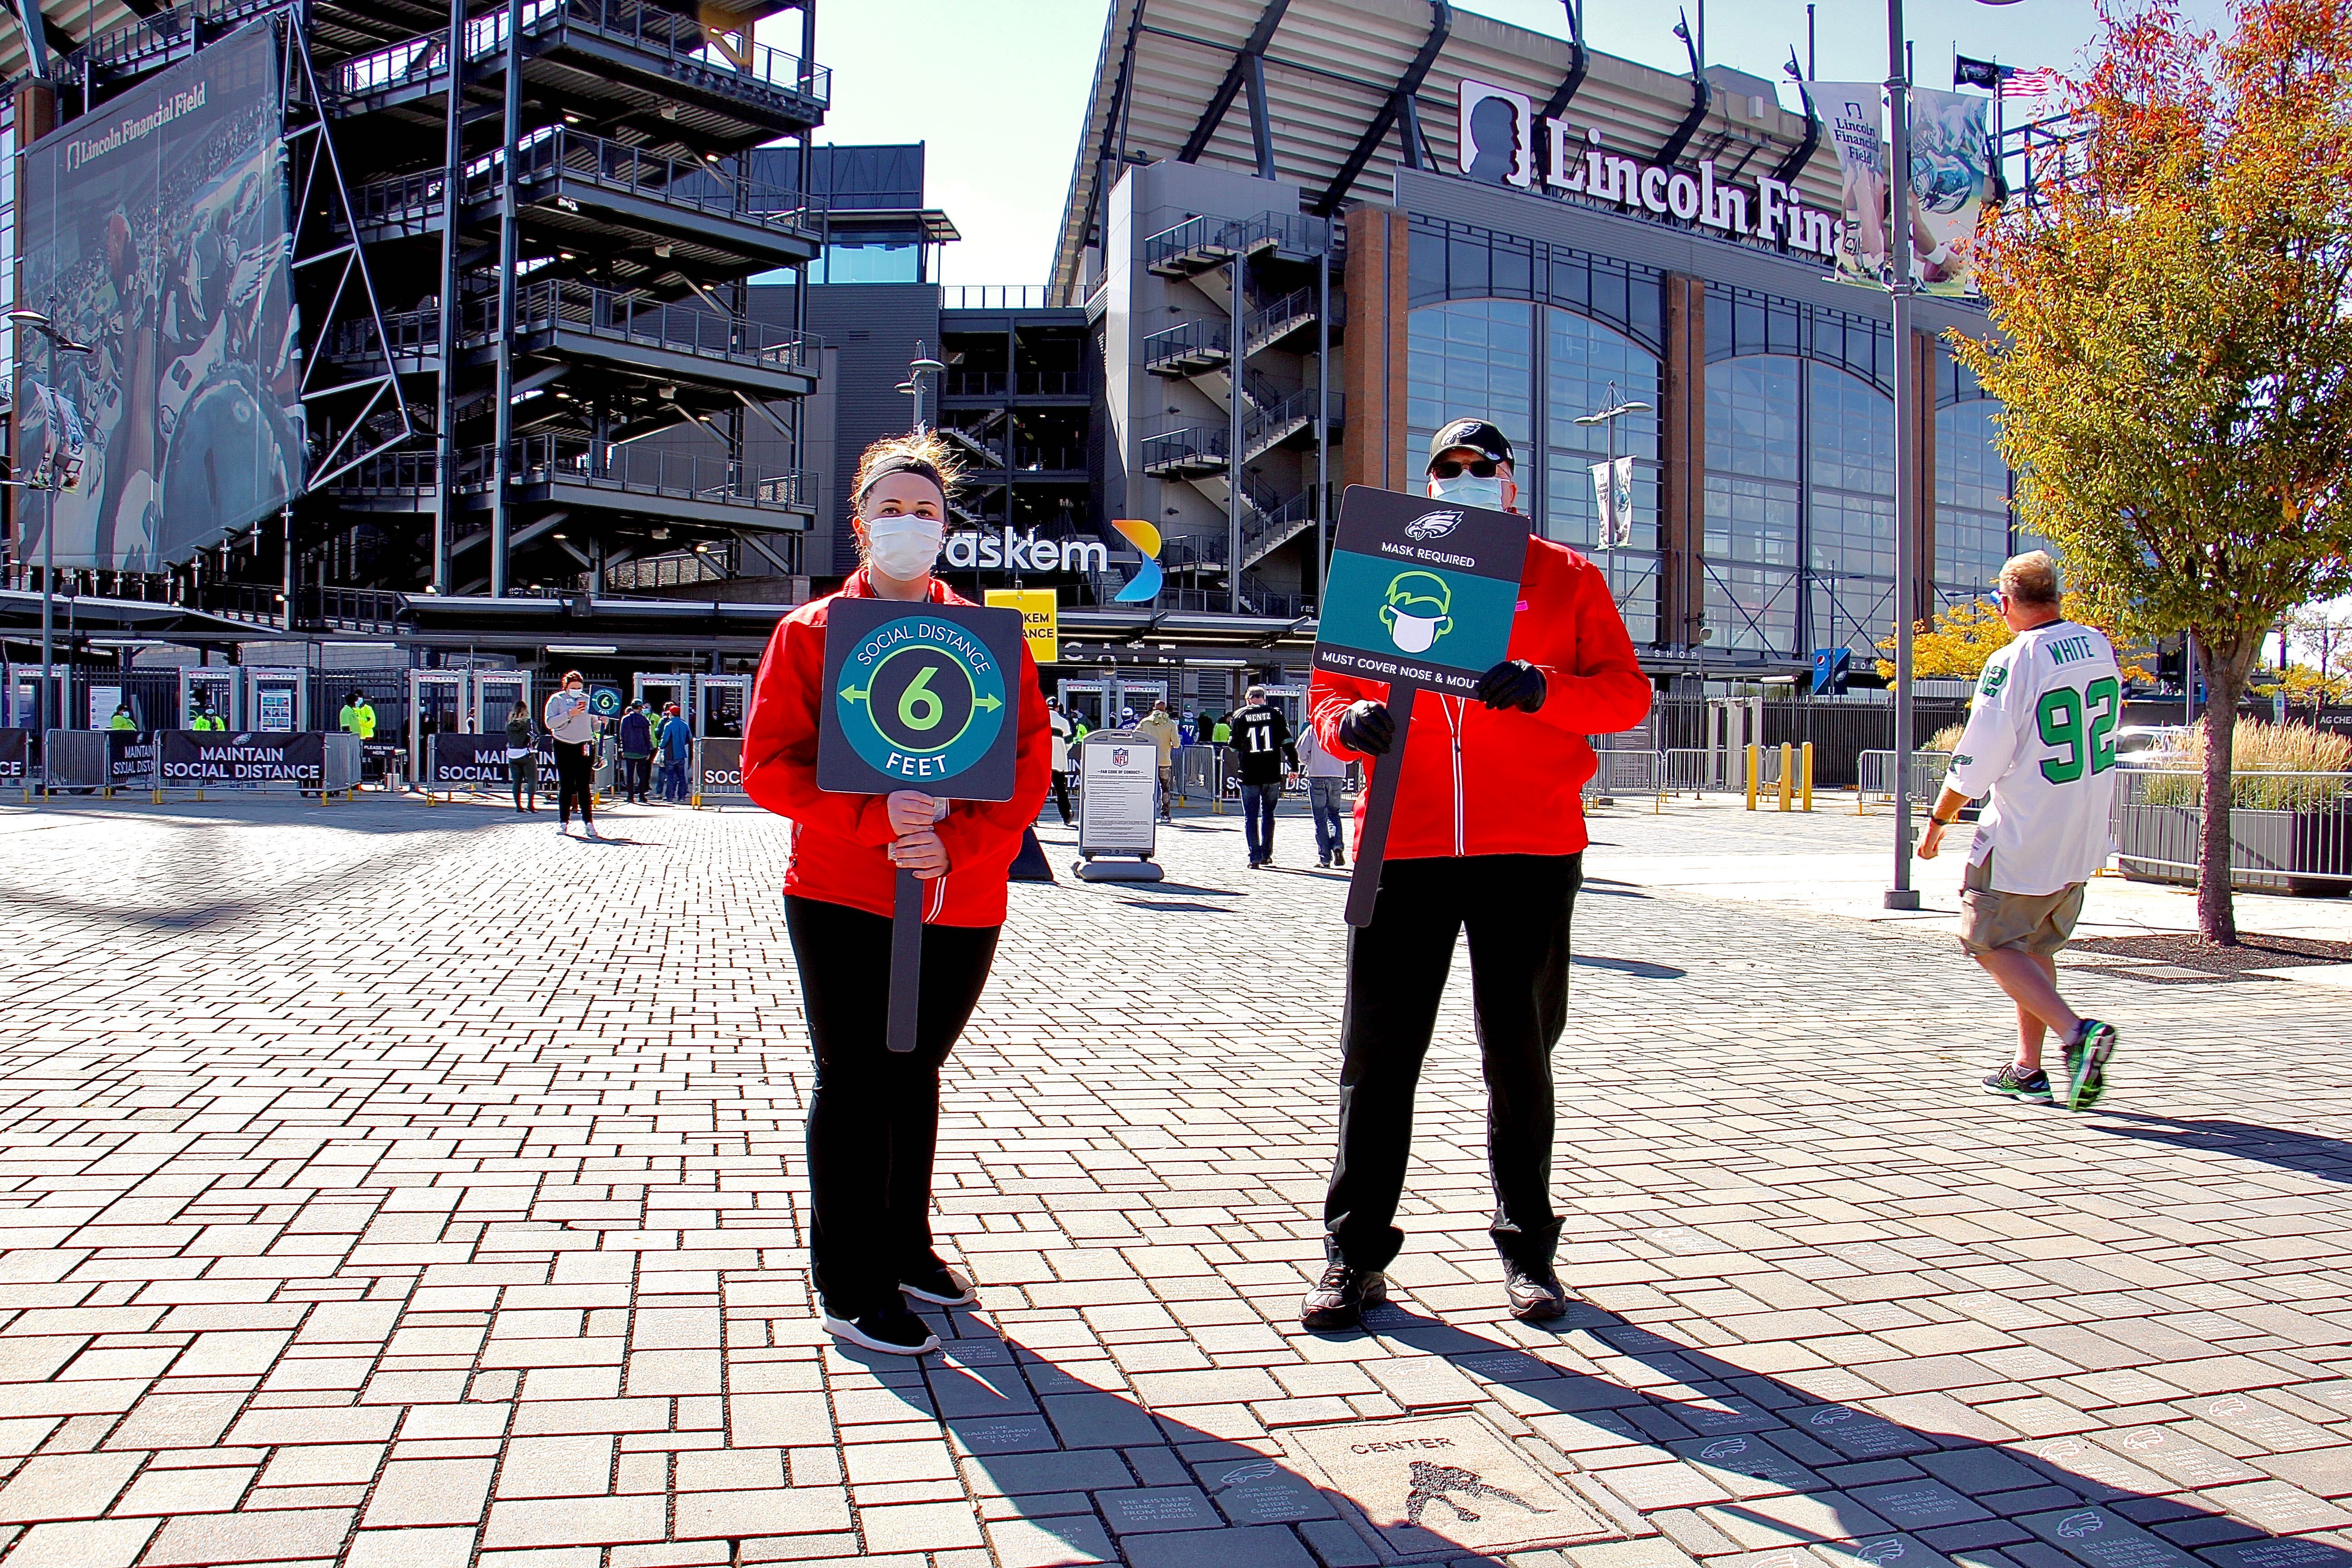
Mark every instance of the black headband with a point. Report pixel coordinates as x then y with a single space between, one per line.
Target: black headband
900 463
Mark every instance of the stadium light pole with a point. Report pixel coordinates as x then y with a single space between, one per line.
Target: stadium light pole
58 343
1608 418
921 365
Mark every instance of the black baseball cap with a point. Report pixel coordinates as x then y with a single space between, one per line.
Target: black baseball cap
1479 435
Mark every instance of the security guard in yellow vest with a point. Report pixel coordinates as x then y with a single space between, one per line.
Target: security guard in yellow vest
123 719
357 718
205 719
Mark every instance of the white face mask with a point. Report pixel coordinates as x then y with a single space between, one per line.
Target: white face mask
1469 489
1413 633
903 547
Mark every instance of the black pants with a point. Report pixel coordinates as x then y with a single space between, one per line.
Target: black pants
874 1115
1516 907
576 779
1061 795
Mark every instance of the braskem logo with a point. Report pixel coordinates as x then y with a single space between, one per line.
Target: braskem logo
1145 585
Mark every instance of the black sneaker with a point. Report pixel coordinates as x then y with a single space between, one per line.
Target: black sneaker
1535 1293
1340 1298
2019 1084
939 1285
889 1327
1338 861
2086 1064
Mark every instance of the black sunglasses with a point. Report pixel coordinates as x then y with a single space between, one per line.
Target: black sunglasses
1447 469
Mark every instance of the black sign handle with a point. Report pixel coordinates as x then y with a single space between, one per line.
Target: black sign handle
1364 890
905 960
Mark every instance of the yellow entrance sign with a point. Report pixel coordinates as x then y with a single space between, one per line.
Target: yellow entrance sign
1040 619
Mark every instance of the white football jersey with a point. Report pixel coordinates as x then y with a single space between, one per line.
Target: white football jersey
2041 738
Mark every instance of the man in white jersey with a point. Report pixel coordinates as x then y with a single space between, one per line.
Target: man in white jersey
2042 737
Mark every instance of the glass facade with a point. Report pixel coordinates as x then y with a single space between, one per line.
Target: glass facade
1796 474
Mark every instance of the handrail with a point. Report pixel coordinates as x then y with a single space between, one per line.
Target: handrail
657 28
991 296
1276 317
564 304
165 30
721 186
641 469
1297 232
1186 339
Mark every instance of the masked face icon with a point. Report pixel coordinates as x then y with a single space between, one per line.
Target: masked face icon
1416 611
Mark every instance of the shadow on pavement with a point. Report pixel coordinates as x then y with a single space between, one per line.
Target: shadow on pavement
1742 1464
2329 1159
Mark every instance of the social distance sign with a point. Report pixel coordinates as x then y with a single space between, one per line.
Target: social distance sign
919 695
1420 590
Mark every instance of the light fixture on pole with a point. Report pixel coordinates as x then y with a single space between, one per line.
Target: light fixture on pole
58 343
1607 419
918 367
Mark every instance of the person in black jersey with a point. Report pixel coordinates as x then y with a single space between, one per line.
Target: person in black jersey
1262 746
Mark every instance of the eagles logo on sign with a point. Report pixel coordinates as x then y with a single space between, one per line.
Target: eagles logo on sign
1434 525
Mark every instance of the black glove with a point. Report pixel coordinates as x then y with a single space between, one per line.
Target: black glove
1366 727
1514 683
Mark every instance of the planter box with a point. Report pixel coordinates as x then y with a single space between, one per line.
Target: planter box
2307 853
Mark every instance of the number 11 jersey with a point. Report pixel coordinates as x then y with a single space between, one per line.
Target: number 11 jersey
2040 737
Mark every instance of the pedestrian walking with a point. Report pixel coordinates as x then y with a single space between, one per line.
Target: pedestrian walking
1488 834
1326 784
1160 728
873 1118
1262 749
2041 741
676 741
637 752
522 758
573 725
1058 718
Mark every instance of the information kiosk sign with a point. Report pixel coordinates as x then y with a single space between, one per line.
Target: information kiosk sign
1422 593
921 697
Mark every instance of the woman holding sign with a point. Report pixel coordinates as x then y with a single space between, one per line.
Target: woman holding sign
873 1118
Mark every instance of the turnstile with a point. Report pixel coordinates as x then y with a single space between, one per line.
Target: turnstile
1098 704
277 701
437 706
217 689
495 693
720 703
662 690
26 709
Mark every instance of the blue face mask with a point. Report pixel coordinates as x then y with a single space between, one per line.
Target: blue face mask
1469 489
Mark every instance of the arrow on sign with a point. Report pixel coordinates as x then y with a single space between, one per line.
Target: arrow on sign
854 693
990 703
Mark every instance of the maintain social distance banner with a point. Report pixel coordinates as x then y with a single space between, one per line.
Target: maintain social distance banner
16 754
459 761
721 767
130 756
199 757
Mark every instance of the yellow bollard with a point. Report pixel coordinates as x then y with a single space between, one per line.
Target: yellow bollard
1754 767
1788 769
1808 776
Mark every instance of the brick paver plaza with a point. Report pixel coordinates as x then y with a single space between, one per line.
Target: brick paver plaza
413 1189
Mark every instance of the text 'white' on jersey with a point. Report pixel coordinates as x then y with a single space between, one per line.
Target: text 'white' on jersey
2041 738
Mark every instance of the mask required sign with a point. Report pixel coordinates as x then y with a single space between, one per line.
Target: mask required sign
1420 590
1421 593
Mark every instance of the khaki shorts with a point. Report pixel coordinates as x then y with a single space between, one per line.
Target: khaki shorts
2038 923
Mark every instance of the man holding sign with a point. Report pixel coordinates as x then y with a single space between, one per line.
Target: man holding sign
902 731
1515 651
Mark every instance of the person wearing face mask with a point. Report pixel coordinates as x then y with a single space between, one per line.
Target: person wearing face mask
1488 834
573 724
872 1117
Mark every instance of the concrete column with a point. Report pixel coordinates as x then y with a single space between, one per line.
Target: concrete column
1374 373
1681 461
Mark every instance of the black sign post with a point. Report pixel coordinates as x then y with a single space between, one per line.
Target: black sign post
919 696
1420 594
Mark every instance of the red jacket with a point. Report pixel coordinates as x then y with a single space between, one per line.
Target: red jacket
1482 782
839 840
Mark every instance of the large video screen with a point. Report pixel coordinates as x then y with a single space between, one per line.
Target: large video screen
157 230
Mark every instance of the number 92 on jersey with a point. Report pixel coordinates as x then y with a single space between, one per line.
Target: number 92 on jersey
922 697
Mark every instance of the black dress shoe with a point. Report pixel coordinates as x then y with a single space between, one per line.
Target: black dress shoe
1340 1298
939 1285
1535 1293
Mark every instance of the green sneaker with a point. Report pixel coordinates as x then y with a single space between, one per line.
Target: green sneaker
2018 1084
2086 1064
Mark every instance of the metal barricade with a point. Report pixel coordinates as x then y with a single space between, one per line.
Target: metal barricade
1617 773
1200 771
1693 769
1877 776
79 761
2289 832
346 764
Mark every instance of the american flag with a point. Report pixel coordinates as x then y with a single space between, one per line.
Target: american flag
2039 82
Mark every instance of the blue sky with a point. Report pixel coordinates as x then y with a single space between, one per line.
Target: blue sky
997 88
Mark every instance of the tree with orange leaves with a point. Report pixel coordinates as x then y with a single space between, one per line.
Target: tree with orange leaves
2174 344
